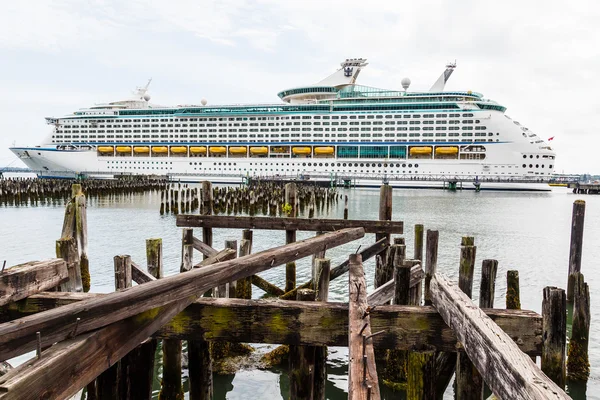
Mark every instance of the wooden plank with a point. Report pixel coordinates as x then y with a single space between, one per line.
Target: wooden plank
19 337
363 383
508 371
69 365
139 276
225 254
26 279
385 293
203 247
279 223
67 250
290 322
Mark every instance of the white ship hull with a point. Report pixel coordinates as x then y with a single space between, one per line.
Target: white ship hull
430 174
333 131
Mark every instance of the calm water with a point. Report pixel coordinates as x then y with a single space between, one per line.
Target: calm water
525 231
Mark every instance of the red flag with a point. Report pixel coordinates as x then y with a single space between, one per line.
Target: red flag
550 139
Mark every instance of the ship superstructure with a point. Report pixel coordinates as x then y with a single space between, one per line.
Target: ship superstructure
334 129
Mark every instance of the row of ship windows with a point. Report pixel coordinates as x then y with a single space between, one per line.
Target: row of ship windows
184 132
283 135
387 116
339 164
426 122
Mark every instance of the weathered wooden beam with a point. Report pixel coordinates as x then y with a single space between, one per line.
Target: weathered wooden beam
203 247
279 223
362 372
225 254
56 376
341 269
324 324
265 285
139 276
385 293
23 280
508 371
19 337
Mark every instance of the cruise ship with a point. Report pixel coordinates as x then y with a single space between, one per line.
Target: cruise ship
335 130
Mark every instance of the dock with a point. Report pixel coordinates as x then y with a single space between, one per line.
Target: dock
415 330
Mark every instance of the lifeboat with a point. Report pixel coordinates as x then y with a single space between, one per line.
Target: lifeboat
141 149
198 150
279 149
160 149
301 150
217 149
106 149
324 150
420 151
446 150
123 149
178 149
259 150
237 150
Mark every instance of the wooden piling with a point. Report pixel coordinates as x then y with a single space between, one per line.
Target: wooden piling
346 206
302 361
554 336
421 377
487 288
140 361
577 222
578 363
513 293
322 271
418 253
430 261
243 288
290 235
382 274
112 382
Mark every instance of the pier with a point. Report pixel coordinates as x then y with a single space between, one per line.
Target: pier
585 188
414 331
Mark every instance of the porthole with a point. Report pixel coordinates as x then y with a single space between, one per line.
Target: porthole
344 164
416 165
409 166
537 156
524 165
530 165
524 156
362 165
403 165
531 156
537 165
379 165
320 164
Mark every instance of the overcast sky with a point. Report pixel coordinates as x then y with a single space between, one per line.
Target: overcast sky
538 59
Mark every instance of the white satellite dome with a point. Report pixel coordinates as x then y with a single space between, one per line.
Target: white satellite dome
203 102
405 83
147 97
